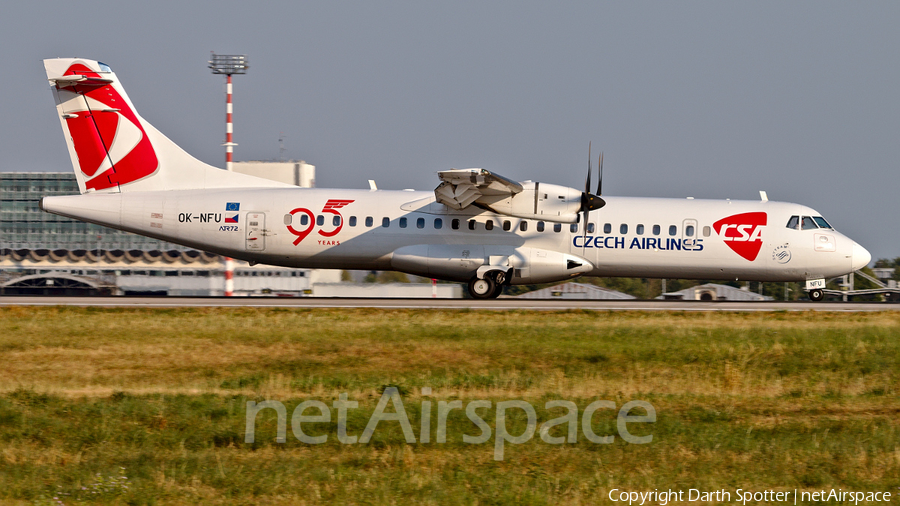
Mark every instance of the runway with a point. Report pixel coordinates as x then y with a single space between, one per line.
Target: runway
502 304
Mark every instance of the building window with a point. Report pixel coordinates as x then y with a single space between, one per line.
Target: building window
420 223
438 223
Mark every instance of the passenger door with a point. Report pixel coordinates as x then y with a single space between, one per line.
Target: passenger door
256 232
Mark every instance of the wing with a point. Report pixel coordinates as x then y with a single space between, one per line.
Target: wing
459 188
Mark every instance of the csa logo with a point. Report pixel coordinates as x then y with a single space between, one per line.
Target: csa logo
112 147
331 207
781 254
741 232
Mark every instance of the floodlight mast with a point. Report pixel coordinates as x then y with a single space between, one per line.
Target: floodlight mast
228 64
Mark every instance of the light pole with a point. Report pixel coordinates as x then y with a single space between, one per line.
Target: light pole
228 64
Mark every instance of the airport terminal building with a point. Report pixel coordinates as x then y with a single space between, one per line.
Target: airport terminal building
42 253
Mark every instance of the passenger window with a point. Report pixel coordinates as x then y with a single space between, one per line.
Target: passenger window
706 231
385 222
523 226
402 222
304 220
489 225
573 228
639 229
454 224
794 222
623 229
369 221
607 228
557 227
353 221
420 223
471 224
320 220
507 225
689 231
655 229
820 221
336 221
807 223
590 228
540 227
673 230
438 223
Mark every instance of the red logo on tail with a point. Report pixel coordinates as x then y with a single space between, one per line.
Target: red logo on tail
741 232
111 144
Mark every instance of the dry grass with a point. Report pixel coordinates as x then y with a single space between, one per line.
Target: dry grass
798 400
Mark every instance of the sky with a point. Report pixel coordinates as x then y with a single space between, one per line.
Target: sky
703 99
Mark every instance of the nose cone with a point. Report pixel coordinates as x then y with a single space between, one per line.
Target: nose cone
860 257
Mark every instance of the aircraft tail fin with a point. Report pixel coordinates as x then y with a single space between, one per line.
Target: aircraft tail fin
113 149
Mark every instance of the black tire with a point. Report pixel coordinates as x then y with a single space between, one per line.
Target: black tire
816 295
498 290
482 288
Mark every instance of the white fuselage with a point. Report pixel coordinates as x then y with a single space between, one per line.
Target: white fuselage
343 229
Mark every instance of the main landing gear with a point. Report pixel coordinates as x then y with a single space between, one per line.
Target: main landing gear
490 287
816 295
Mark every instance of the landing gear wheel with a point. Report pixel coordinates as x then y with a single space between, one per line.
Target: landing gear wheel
482 288
816 295
498 290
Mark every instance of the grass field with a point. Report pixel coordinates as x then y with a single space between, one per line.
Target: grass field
149 406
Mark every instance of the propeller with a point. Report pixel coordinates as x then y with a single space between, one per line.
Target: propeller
589 201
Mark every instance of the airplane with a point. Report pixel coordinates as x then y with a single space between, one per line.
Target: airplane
476 227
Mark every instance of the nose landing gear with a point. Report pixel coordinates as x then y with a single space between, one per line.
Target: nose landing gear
816 295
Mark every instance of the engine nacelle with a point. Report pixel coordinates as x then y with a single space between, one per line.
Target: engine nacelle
538 201
462 262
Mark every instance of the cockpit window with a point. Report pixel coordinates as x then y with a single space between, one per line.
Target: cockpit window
820 221
794 222
104 67
808 223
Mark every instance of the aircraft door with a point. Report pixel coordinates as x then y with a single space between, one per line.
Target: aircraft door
689 234
256 232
